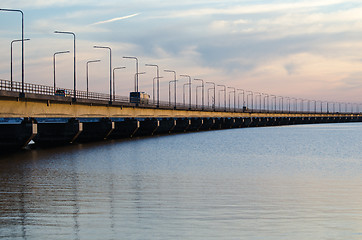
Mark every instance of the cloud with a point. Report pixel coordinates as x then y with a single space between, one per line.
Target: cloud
116 19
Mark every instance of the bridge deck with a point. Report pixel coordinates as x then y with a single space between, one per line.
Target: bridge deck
55 120
45 106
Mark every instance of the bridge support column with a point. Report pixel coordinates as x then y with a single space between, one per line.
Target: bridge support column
246 122
196 124
15 136
124 128
165 126
147 127
207 124
57 131
95 130
182 124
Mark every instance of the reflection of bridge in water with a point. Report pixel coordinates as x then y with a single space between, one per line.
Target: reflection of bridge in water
48 119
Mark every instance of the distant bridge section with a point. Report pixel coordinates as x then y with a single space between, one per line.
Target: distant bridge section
49 119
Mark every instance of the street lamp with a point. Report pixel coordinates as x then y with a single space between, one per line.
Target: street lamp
266 103
250 93
174 73
242 92
197 87
183 75
114 82
136 76
208 95
256 100
224 96
153 90
136 79
169 92
87 72
22 94
74 61
54 67
11 59
281 103
183 93
234 98
158 83
203 90
288 103
110 70
275 102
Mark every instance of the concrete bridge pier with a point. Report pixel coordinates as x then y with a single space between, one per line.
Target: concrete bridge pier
196 124
182 125
238 122
17 135
148 127
218 123
124 128
284 121
228 123
246 122
255 122
207 124
58 133
276 121
165 125
98 129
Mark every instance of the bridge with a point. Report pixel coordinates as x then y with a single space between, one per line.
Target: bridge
31 112
49 115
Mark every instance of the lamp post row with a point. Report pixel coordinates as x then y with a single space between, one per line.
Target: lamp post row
22 93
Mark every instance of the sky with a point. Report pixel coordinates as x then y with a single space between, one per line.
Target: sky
308 49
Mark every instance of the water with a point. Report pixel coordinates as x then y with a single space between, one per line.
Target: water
294 182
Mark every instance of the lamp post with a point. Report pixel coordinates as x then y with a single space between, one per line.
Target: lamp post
249 93
224 96
87 72
169 92
203 90
11 59
183 93
234 97
183 75
196 97
315 106
22 94
153 90
56 53
136 76
256 100
158 83
265 104
114 81
295 104
214 87
136 80
74 63
174 74
288 103
275 102
242 92
110 70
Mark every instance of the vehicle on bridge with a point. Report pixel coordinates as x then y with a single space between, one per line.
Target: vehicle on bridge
62 92
139 97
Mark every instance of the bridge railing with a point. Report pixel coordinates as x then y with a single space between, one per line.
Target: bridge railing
50 91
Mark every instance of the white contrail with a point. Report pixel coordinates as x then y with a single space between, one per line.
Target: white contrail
116 19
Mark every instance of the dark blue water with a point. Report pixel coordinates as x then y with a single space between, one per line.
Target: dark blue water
295 182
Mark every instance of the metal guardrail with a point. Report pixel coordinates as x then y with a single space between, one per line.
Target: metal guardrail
50 91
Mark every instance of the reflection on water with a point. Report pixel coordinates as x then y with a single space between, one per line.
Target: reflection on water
298 182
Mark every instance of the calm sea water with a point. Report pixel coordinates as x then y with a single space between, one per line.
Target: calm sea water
294 182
